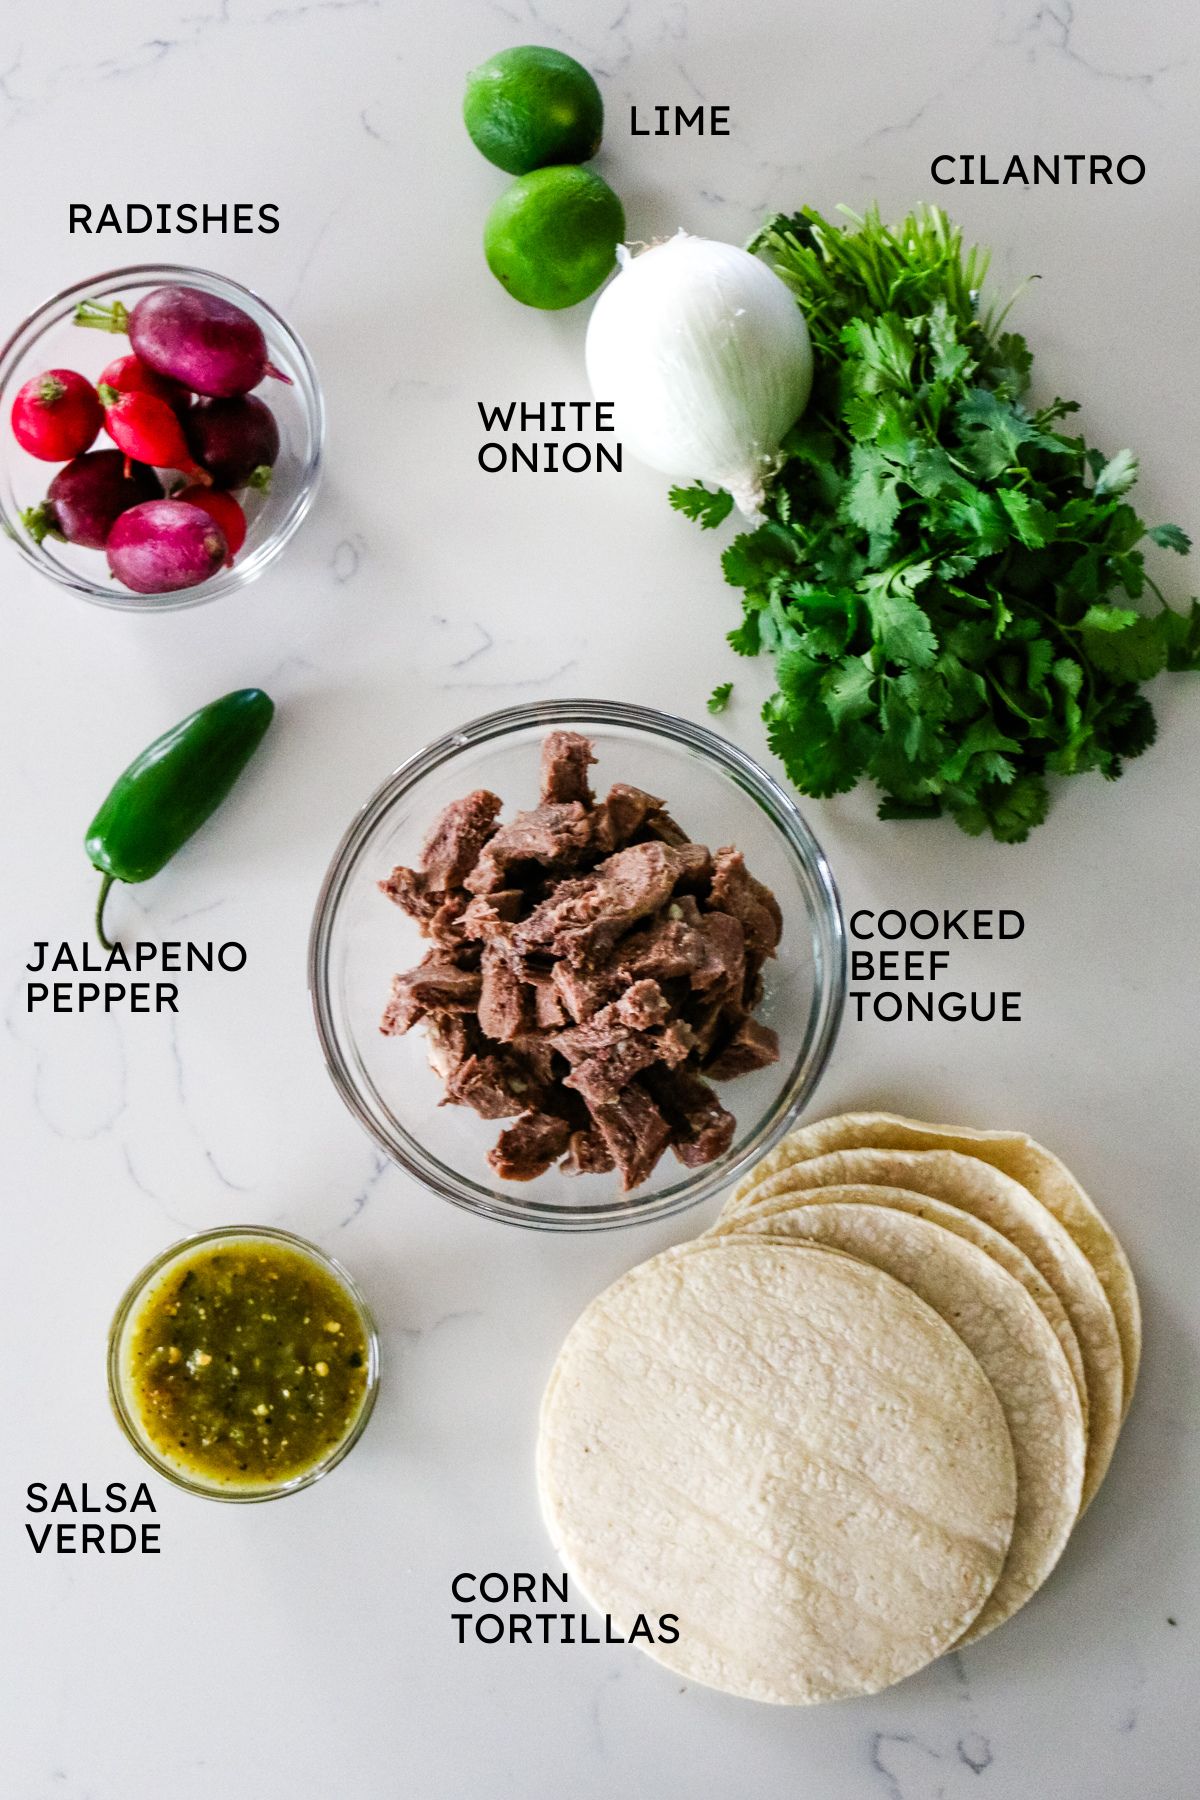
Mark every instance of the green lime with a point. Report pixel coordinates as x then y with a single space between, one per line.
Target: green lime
552 237
529 107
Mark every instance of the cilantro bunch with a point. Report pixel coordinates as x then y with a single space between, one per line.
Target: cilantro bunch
941 574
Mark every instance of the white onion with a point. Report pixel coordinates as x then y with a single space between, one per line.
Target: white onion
706 355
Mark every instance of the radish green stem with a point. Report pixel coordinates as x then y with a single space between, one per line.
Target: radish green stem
113 318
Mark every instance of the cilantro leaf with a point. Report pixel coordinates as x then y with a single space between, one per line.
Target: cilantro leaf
901 625
1126 645
718 700
1118 475
1170 537
706 507
1009 813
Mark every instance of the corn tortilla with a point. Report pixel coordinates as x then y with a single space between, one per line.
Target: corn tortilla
790 1451
980 1188
963 1224
1010 1339
1021 1158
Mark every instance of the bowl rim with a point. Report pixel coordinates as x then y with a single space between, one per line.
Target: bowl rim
126 1417
827 926
226 581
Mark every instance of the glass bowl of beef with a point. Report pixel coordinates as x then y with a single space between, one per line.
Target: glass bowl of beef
589 1130
49 338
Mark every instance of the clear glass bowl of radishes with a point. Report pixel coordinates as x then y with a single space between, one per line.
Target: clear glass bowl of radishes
161 433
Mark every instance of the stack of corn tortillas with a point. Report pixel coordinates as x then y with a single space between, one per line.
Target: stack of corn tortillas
852 1426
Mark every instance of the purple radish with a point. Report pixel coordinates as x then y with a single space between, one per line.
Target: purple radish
164 545
236 440
88 496
207 344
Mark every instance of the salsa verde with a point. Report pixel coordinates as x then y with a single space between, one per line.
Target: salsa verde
246 1363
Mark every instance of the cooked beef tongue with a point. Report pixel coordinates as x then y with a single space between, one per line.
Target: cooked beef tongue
450 1039
752 1046
587 1154
459 833
408 889
709 954
566 759
701 1128
605 1053
495 1086
643 1005
553 837
622 812
549 1008
487 914
503 1009
584 991
634 1132
437 984
734 890
528 1146
583 919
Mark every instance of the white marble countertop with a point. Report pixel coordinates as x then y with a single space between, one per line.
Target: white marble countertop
306 1650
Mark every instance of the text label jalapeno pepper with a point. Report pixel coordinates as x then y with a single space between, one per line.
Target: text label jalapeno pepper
168 791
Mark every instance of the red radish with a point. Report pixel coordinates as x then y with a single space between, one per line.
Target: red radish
147 431
234 439
129 376
208 344
165 545
85 499
56 415
224 509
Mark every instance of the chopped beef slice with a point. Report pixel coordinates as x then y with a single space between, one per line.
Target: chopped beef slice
497 1087
536 1050
411 892
583 919
701 1128
623 811
584 991
458 836
587 1154
487 915
634 1132
643 1005
659 824
587 962
503 1013
450 1040
705 1019
606 1053
529 1145
566 759
446 925
549 1008
553 837
752 1046
436 985
695 868
734 890
709 955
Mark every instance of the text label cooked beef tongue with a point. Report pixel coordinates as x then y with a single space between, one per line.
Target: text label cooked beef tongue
589 966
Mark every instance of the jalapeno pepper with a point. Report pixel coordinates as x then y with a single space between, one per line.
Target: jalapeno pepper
168 791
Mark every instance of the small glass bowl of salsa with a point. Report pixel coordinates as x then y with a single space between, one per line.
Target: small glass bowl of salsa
243 1363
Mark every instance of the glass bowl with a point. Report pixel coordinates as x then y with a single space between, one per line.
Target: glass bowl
142 1288
48 339
360 939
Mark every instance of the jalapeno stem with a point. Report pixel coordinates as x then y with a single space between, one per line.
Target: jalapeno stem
100 899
